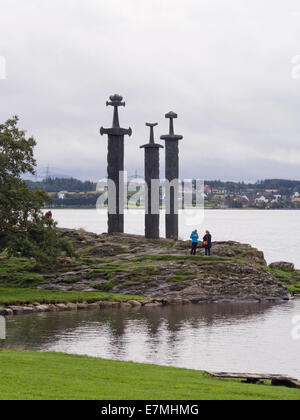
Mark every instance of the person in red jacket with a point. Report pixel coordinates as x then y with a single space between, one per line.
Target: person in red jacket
207 240
48 215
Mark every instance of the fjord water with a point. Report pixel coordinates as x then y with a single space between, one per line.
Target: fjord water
276 232
235 338
245 338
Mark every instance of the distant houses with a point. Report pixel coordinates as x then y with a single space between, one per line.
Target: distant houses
271 191
261 199
267 198
62 195
272 194
207 189
222 198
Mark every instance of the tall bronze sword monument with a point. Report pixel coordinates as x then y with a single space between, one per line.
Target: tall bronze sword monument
152 199
115 167
172 176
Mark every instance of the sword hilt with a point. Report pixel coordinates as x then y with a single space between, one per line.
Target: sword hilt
171 136
151 144
151 125
115 100
171 116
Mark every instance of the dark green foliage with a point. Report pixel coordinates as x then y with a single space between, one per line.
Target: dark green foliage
39 241
24 231
19 272
85 200
63 184
16 152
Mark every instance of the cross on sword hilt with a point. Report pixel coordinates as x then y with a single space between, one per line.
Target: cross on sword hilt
116 101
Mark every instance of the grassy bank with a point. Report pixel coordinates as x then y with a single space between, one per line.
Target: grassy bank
12 296
19 278
291 279
31 375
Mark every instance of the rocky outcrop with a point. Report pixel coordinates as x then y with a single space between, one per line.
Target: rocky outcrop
285 266
163 269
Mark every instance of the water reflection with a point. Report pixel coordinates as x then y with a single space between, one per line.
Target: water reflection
214 337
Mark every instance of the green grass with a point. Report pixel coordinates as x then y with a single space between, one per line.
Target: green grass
291 279
19 272
143 273
139 273
106 271
181 258
13 264
10 296
181 275
106 287
21 280
96 261
68 280
55 376
168 245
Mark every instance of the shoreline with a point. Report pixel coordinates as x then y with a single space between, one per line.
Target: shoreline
32 309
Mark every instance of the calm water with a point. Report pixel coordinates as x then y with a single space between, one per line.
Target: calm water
244 338
277 233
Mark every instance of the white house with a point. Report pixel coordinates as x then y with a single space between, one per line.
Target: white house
261 199
62 195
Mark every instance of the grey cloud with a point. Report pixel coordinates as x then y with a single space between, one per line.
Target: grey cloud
224 66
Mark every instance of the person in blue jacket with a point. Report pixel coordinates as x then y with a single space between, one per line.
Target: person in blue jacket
195 239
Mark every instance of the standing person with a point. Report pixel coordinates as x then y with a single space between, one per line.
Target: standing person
207 243
195 238
48 215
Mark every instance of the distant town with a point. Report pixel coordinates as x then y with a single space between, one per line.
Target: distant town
263 194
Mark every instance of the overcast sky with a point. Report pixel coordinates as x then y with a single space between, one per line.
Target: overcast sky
225 66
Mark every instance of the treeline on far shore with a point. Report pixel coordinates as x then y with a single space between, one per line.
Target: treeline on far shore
56 185
284 186
74 193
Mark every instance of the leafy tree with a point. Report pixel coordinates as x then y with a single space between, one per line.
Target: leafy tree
23 228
